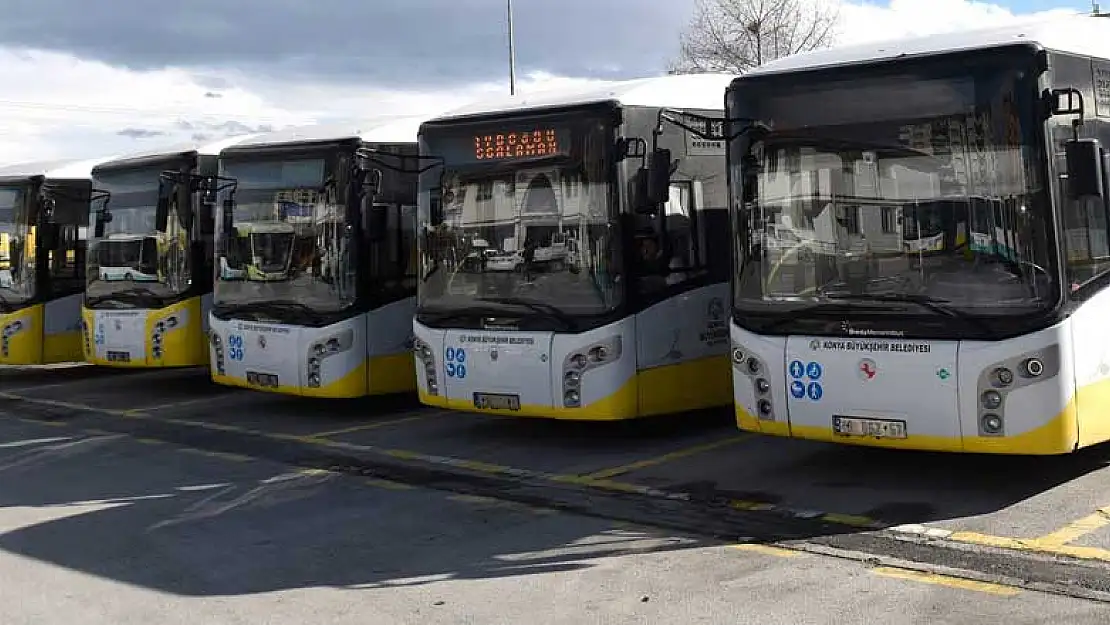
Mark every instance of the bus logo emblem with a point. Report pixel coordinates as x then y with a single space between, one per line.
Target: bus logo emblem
493 354
867 369
262 341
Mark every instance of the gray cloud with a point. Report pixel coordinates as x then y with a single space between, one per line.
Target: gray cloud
139 133
415 43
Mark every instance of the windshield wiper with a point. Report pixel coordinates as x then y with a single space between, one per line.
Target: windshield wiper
543 308
281 311
139 296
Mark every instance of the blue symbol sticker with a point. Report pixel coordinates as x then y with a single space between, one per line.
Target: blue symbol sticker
814 391
235 346
455 370
797 369
797 389
450 354
813 370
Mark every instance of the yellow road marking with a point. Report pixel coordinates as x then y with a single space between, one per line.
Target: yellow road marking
179 404
668 457
42 422
216 454
1076 529
1032 545
365 426
63 404
768 550
946 580
388 484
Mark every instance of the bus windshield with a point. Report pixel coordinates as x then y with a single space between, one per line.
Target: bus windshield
129 253
519 214
17 249
289 239
923 183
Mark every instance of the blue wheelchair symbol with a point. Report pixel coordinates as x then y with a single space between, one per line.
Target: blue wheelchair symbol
814 391
797 369
813 370
797 389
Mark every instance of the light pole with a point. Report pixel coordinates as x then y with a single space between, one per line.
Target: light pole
512 51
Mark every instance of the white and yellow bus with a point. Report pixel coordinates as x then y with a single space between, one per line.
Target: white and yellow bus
150 270
993 343
316 253
575 254
44 216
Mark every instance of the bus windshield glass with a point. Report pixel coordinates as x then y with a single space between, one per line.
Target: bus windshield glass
519 214
17 248
128 260
289 239
923 184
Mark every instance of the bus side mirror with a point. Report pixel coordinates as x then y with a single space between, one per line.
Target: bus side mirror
228 216
658 189
749 179
207 218
162 213
1084 164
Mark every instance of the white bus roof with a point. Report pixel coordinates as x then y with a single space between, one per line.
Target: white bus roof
57 170
384 129
1077 34
679 91
212 148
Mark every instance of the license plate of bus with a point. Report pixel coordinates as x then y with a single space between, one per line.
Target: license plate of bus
262 379
496 401
113 356
874 428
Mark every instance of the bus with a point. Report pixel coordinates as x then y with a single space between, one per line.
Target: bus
317 257
149 274
44 216
565 272
996 345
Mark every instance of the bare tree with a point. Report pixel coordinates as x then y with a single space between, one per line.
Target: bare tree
737 35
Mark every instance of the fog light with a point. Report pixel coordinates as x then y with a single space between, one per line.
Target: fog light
433 388
738 356
764 407
161 327
572 377
333 345
579 360
992 423
318 349
314 380
762 385
992 400
599 353
753 365
1003 376
571 397
1033 367
314 363
172 322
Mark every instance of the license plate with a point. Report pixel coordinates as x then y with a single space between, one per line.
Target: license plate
118 356
496 401
262 379
876 428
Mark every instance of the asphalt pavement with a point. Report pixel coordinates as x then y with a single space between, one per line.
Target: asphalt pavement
156 496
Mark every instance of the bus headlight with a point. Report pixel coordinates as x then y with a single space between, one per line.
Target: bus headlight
738 356
572 378
1003 376
575 365
1033 367
423 353
753 366
571 398
764 407
762 385
578 360
992 400
314 380
991 423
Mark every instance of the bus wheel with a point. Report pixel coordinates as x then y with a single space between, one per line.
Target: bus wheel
128 276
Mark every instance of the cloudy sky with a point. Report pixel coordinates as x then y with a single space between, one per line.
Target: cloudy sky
86 79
